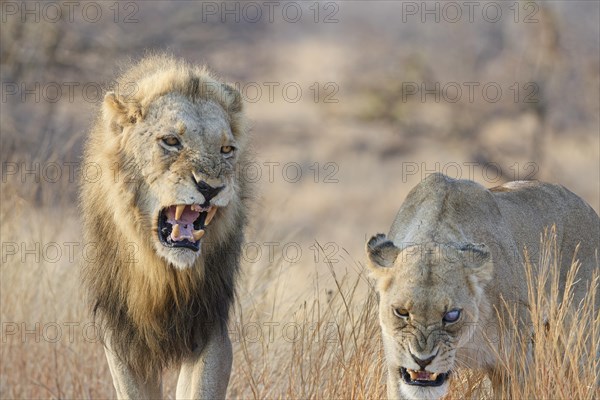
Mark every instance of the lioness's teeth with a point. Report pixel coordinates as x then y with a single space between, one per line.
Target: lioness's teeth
179 211
175 233
198 234
210 215
195 207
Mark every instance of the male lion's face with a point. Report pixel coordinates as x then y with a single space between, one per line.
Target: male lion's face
428 308
184 156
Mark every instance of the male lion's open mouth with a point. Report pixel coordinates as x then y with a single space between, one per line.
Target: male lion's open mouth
422 377
184 225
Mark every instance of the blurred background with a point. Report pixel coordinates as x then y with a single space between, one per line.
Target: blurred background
351 103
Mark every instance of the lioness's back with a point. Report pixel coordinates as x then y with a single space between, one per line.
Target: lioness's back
508 218
533 206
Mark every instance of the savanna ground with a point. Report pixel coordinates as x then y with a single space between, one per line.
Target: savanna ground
380 108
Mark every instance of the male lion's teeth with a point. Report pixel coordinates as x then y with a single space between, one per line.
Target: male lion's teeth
210 215
433 376
198 234
175 233
179 211
413 374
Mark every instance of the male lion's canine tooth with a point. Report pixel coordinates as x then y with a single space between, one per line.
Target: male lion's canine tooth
198 234
413 374
433 376
179 211
175 233
210 215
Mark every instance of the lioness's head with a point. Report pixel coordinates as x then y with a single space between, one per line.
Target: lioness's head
176 136
429 303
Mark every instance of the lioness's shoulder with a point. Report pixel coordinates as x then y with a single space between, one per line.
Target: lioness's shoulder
539 192
530 187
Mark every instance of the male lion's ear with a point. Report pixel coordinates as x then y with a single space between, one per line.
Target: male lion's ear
232 97
478 259
118 113
382 252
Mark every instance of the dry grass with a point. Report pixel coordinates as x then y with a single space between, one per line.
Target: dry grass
564 359
325 346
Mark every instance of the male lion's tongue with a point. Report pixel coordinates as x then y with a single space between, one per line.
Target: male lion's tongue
185 222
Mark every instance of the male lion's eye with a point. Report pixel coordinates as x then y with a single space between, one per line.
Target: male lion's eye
227 149
451 316
171 141
400 312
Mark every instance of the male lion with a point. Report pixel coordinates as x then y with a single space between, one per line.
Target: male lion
164 213
452 256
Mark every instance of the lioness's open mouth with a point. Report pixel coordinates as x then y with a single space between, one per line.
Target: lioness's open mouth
422 377
183 225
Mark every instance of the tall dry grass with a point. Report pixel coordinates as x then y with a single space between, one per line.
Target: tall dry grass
559 351
326 345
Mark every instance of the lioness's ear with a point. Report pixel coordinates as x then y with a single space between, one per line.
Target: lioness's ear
477 258
117 113
382 252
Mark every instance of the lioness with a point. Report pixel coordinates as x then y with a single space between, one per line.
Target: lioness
164 212
454 251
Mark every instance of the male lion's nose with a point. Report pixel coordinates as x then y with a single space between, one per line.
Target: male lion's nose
207 191
423 363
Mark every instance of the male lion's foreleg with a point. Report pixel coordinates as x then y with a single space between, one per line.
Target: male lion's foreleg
127 385
205 374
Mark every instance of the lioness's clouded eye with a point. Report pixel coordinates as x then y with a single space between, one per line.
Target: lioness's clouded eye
400 312
227 149
171 141
451 316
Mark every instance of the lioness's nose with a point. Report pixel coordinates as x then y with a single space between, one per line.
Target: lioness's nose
207 191
423 363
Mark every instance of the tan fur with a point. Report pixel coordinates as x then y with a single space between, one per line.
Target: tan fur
160 306
456 245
